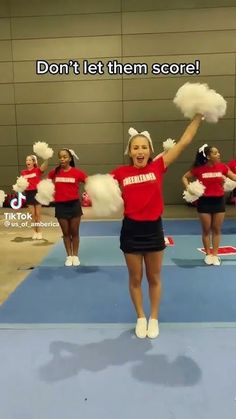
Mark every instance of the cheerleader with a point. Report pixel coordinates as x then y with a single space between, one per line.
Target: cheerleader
33 175
142 238
67 202
208 169
232 167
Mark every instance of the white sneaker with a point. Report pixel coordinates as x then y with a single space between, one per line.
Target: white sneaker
75 261
35 236
153 328
208 260
216 261
39 236
141 327
69 261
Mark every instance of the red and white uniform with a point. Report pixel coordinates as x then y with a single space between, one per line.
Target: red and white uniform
211 177
142 190
33 176
67 183
232 165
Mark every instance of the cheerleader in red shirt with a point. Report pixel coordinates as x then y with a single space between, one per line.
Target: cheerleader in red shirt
66 178
208 169
33 174
232 166
142 237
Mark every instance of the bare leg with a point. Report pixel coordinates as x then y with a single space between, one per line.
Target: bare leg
217 221
74 224
153 263
135 267
37 209
64 224
33 213
206 220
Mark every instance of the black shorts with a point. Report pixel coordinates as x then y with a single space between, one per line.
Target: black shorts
142 236
68 209
30 197
211 204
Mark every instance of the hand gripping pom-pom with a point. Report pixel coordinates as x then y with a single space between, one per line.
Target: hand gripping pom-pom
193 98
196 188
229 185
46 190
104 193
194 191
42 150
21 184
168 144
188 197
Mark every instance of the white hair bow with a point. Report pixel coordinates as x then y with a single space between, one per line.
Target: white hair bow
35 158
133 133
73 153
202 149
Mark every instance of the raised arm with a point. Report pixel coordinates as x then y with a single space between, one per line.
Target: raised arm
231 175
159 155
184 141
44 166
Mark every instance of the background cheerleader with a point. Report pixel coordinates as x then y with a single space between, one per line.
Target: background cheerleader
33 174
232 167
208 169
67 202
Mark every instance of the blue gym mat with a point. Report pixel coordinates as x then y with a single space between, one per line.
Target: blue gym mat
67 331
97 291
105 251
171 227
100 295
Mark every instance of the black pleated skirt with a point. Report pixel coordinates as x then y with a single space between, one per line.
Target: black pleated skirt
142 236
68 209
30 197
211 204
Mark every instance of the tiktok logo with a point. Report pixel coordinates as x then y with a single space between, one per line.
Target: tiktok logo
16 203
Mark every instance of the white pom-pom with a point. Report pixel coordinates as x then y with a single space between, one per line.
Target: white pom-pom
21 184
105 194
132 132
2 197
168 144
188 197
46 190
193 98
42 150
196 188
194 191
215 107
229 185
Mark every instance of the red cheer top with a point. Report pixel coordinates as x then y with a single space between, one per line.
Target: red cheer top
67 183
232 165
211 177
142 190
33 176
